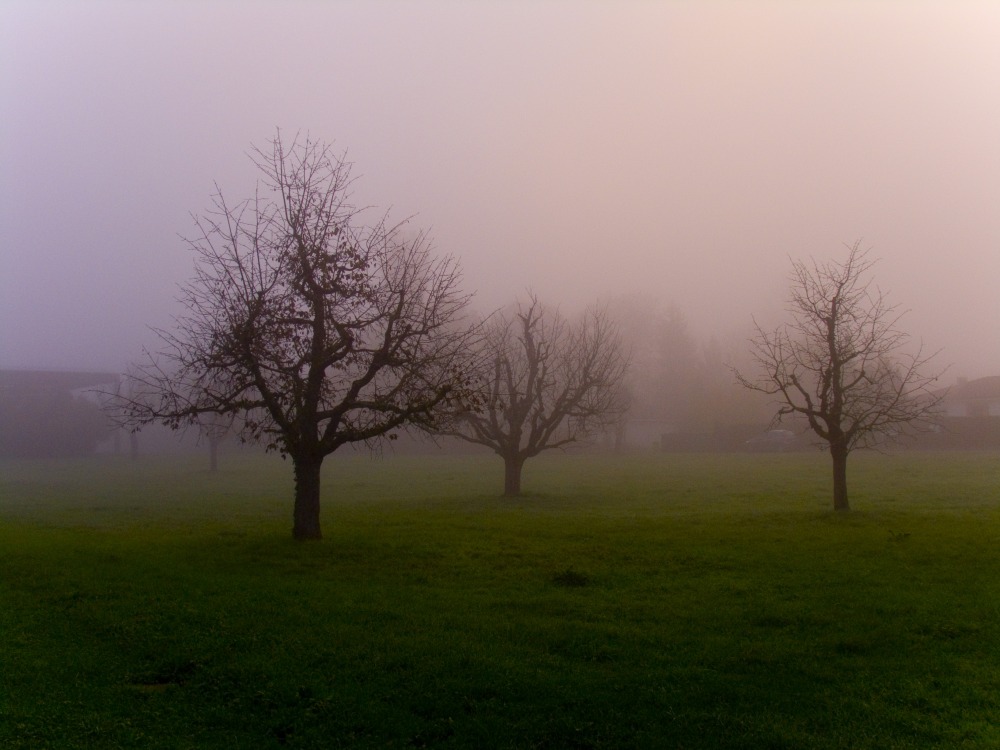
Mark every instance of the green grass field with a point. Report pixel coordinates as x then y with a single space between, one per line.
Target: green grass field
659 601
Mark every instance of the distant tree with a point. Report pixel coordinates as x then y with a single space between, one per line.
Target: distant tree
665 363
113 402
215 428
314 329
842 363
547 383
720 403
685 386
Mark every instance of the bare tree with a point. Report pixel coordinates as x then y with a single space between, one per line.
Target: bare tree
215 428
842 363
665 366
314 329
547 383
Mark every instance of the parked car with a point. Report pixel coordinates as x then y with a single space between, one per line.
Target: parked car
774 441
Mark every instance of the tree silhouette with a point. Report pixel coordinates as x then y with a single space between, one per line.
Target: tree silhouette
315 329
842 363
546 383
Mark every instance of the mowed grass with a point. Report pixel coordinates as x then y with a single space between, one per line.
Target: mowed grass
657 601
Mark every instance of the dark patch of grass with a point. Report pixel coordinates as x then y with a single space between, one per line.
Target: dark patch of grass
723 605
570 579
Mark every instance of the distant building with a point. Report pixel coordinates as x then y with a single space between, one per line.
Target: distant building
969 418
47 413
973 398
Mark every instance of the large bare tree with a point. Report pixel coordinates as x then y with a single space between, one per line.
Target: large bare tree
842 362
315 329
546 383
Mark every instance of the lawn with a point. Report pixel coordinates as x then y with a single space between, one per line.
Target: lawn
655 601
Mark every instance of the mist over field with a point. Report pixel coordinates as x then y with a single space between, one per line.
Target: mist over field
670 564
679 152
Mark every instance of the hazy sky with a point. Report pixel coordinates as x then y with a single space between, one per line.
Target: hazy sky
584 149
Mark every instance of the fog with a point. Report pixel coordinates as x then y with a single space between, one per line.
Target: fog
680 150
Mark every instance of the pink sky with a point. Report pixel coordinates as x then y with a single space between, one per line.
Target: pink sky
584 149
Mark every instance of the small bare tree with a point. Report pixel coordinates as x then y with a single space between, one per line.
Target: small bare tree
546 383
313 329
215 428
842 363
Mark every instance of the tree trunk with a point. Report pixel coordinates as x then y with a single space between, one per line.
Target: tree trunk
620 435
512 466
839 454
213 454
306 515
